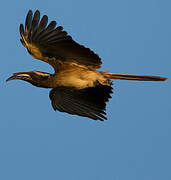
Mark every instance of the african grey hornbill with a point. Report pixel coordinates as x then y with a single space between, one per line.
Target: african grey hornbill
78 88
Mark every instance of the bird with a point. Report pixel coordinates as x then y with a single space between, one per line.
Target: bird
77 86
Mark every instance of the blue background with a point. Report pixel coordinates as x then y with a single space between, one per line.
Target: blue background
131 36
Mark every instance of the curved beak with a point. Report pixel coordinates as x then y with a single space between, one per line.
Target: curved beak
18 76
11 78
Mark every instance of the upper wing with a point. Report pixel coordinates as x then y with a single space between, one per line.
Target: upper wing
52 45
89 102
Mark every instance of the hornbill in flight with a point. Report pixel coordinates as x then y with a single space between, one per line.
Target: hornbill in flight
77 87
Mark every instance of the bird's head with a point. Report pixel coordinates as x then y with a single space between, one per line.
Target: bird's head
36 78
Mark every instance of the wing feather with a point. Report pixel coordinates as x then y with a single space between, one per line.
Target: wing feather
88 102
52 44
28 21
35 21
76 108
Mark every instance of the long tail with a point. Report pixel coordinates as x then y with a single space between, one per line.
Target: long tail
137 77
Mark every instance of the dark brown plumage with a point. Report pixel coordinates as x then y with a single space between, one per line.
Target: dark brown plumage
77 87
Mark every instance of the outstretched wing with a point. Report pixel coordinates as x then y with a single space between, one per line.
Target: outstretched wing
52 45
89 102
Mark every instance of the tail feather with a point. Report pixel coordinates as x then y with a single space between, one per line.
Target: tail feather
137 77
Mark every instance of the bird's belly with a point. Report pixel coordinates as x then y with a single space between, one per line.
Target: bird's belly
78 83
78 79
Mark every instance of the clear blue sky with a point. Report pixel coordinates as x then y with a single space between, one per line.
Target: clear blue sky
131 36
